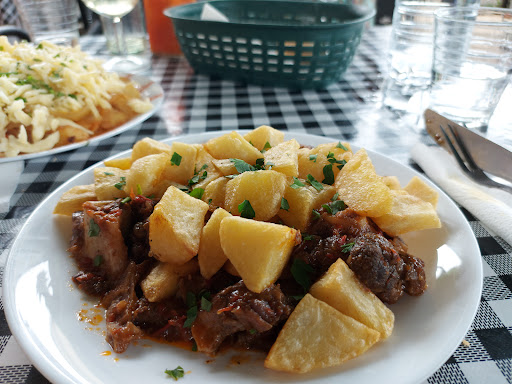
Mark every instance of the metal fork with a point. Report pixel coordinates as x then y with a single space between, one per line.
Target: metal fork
467 163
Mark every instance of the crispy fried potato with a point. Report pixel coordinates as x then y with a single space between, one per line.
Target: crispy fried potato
215 192
301 203
318 336
408 213
145 175
283 158
122 163
72 200
162 281
341 289
419 188
175 226
361 188
225 166
211 257
264 134
109 183
181 173
204 163
392 182
232 145
148 146
263 189
258 250
313 161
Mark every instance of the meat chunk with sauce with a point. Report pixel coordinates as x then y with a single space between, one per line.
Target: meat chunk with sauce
101 242
236 309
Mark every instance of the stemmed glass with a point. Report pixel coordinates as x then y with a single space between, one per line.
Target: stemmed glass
115 10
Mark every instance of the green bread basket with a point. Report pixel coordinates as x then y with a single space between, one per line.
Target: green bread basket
271 42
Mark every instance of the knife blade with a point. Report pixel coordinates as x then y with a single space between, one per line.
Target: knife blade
488 155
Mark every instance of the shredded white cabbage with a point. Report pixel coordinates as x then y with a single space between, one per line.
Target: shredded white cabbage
43 86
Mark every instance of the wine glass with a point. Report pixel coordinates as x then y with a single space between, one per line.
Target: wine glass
115 10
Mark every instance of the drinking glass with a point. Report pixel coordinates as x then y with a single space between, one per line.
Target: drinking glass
55 21
410 51
472 63
115 10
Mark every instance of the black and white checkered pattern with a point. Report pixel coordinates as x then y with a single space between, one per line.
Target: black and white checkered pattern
347 110
8 13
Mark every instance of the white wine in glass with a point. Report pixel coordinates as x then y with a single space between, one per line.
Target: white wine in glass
115 10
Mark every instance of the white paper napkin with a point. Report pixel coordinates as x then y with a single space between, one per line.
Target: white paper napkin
10 174
492 206
211 13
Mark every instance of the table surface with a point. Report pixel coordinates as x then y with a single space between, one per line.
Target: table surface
348 110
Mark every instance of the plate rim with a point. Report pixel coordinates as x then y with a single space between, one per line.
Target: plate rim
140 80
58 375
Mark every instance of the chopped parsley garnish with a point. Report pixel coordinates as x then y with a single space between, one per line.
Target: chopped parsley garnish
266 147
139 189
73 96
316 184
301 272
191 299
1 47
252 331
284 204
97 260
176 159
307 237
21 98
328 175
197 193
316 214
341 146
121 184
94 229
108 173
346 248
198 176
241 166
40 46
206 305
335 197
126 200
191 316
297 183
176 373
313 158
331 159
334 207
246 210
194 346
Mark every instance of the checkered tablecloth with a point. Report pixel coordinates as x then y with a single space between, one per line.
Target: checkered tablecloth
348 110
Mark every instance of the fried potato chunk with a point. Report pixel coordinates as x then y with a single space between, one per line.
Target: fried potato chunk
392 182
122 163
408 213
341 289
312 161
145 175
264 134
72 200
109 183
215 192
361 188
263 189
283 158
175 226
232 146
419 188
210 255
148 146
258 250
318 336
301 203
162 281
182 170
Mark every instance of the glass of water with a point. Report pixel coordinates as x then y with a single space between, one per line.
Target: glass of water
410 52
472 63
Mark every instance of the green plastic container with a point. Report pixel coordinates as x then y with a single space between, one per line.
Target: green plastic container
271 42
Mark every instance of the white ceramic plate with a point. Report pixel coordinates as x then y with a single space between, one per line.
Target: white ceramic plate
148 88
41 305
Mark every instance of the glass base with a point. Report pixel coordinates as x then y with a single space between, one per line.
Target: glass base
128 64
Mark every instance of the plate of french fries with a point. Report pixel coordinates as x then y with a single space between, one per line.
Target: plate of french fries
339 331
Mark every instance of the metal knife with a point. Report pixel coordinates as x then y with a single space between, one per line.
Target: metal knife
488 155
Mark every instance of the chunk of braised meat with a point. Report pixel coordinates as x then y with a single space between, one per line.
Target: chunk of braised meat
378 266
381 263
97 242
141 208
236 309
121 302
164 319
